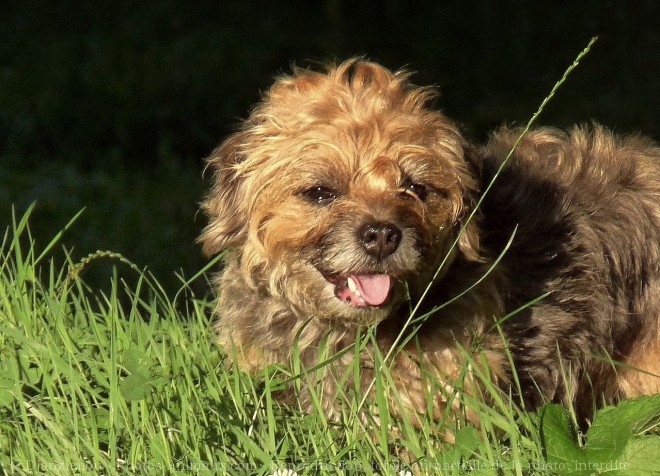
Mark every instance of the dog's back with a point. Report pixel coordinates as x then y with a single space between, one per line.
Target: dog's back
585 207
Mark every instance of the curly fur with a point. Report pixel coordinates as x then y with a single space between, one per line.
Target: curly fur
584 205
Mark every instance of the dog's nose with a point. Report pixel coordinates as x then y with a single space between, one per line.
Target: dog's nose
380 239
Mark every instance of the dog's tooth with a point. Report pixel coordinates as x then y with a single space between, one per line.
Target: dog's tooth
351 285
357 293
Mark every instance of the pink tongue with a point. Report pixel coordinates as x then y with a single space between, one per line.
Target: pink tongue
371 290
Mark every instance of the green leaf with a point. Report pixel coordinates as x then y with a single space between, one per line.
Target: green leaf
559 437
641 457
613 442
467 441
134 360
6 381
613 427
6 397
136 386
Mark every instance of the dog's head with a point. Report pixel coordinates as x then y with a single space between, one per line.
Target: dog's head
339 188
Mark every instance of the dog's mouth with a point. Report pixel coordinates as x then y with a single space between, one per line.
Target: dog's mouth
363 290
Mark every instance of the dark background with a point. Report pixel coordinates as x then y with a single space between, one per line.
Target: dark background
112 106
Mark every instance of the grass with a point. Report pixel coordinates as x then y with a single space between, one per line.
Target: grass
129 381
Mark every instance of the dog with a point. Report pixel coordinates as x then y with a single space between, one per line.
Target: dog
346 201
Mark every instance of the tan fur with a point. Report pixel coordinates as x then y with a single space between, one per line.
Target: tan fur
585 207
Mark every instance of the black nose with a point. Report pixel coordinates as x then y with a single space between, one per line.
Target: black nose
379 239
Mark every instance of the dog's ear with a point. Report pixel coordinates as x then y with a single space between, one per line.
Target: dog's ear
225 205
469 243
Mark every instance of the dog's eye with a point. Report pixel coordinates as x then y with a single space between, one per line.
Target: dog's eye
416 189
319 194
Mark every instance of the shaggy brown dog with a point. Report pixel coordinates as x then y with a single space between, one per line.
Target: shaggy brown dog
343 196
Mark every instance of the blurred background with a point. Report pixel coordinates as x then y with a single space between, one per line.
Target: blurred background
112 106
